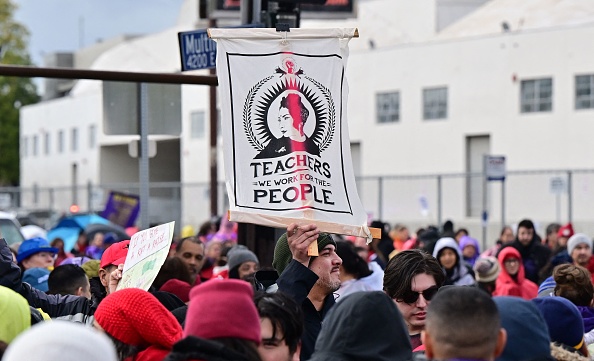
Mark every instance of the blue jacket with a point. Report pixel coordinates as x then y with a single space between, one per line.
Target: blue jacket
71 308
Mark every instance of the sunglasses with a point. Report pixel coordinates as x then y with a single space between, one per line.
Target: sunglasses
411 297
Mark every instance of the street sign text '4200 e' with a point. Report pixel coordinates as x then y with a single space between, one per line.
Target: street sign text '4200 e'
197 50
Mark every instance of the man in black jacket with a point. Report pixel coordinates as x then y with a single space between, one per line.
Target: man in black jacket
70 307
309 280
535 256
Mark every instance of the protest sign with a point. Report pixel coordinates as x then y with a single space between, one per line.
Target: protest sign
285 134
147 252
122 209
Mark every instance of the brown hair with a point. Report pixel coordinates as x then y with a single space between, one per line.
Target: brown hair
404 266
574 283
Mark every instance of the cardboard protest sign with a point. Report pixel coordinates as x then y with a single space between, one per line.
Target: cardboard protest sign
147 252
285 135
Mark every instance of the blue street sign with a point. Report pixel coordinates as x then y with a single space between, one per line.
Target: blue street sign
197 50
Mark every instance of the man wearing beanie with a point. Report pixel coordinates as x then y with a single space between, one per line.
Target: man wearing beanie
243 263
310 281
579 247
69 307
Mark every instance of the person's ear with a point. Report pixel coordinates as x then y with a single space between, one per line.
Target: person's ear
297 354
501 341
104 277
427 342
78 292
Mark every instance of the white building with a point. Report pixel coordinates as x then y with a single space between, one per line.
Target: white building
434 85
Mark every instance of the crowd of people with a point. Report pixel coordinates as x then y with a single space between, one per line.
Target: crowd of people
427 295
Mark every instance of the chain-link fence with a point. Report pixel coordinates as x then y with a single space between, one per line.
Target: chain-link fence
417 200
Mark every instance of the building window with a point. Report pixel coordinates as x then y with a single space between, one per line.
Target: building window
74 140
198 125
35 145
584 91
387 107
92 136
60 141
46 144
435 103
537 95
25 149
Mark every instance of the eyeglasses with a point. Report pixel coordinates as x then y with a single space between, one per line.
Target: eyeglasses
411 297
511 260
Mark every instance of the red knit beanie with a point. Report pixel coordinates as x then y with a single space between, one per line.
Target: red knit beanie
223 308
179 288
135 317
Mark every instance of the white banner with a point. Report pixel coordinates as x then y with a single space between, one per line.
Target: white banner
283 99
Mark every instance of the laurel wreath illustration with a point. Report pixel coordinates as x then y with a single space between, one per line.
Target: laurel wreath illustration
246 113
331 111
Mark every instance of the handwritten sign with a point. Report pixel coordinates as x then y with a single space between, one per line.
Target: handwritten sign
147 253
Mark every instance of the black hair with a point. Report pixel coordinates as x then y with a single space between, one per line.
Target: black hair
284 314
295 100
124 350
244 347
351 261
234 272
173 268
191 239
66 279
404 266
204 229
526 223
463 322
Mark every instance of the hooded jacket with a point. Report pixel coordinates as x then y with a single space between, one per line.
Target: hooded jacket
588 317
70 308
460 276
535 257
364 326
506 285
469 241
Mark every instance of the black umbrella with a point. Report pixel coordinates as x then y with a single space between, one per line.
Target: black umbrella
94 228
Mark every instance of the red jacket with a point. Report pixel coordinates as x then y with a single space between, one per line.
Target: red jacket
506 285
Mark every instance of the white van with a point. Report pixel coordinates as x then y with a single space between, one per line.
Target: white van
10 229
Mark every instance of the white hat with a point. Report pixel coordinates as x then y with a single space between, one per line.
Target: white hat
60 340
576 239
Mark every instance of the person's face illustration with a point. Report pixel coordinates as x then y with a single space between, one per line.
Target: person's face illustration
285 123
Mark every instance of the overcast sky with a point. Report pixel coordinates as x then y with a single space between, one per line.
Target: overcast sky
67 25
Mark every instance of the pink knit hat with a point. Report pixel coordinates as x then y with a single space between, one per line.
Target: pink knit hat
135 317
223 308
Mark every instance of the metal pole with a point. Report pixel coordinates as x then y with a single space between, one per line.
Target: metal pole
143 160
51 198
246 9
484 215
569 196
89 196
558 207
502 203
257 11
68 73
380 194
212 96
439 204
